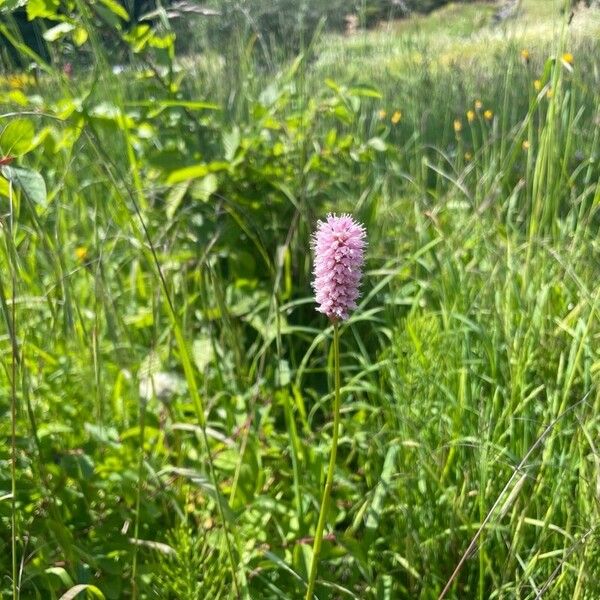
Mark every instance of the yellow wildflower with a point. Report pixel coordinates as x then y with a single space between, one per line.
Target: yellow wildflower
470 116
549 93
15 82
568 58
81 253
396 117
457 125
525 145
478 104
19 81
468 156
382 114
537 84
525 55
488 115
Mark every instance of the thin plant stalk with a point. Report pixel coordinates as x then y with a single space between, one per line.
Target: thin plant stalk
138 497
318 541
13 410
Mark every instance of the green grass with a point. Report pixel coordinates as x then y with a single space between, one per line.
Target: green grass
174 384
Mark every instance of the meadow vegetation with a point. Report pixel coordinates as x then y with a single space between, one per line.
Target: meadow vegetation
167 375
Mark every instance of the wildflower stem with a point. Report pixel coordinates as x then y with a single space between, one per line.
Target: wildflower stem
13 409
332 457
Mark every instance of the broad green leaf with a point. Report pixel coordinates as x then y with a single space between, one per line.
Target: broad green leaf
205 187
196 171
53 429
365 92
15 97
42 8
31 183
116 8
16 138
62 574
82 587
174 198
333 85
108 16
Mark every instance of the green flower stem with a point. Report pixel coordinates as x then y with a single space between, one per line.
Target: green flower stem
13 410
329 482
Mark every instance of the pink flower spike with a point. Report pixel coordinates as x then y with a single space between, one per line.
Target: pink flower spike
339 244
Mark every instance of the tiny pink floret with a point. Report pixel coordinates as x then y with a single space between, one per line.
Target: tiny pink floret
339 244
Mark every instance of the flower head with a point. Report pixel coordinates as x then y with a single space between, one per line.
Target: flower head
457 126
568 58
382 114
396 117
478 104
525 55
470 116
81 253
537 84
488 114
339 244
